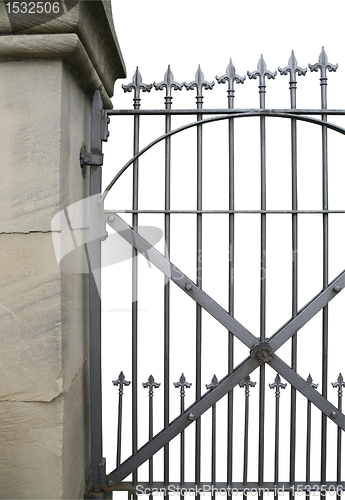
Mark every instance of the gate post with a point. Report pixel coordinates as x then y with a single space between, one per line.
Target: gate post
50 68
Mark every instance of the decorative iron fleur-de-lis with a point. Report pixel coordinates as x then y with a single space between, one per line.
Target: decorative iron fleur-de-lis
199 83
137 85
261 72
230 77
214 383
277 385
121 382
247 383
182 384
293 69
169 83
340 383
151 384
311 383
323 65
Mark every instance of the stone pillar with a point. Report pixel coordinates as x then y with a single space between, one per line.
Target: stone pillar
48 74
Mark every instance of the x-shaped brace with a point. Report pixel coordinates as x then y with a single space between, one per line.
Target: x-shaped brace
260 352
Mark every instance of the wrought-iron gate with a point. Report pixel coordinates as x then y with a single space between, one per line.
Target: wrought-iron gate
262 350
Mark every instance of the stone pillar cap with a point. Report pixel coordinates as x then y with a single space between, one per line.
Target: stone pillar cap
83 35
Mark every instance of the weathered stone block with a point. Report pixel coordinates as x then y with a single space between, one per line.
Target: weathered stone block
46 445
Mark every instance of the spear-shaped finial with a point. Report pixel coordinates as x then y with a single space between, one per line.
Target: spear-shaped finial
323 65
277 385
168 83
199 83
121 382
261 72
340 383
247 383
151 384
293 69
230 77
213 384
182 383
137 85
311 383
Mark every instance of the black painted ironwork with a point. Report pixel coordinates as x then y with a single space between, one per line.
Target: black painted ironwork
182 384
246 384
121 382
262 349
277 385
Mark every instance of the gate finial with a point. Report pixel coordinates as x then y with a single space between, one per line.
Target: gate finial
293 69
311 383
137 85
214 383
340 383
247 383
230 77
198 83
261 72
168 83
151 384
121 382
182 383
323 65
277 384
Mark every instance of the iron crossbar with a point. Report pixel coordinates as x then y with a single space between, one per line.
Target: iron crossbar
225 111
225 212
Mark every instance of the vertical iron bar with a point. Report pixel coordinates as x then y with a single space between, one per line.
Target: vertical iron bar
151 384
294 70
277 385
199 284
231 77
246 383
308 450
323 65
136 85
96 223
121 382
212 385
167 287
230 444
182 383
262 72
294 204
168 83
135 295
198 83
324 278
339 384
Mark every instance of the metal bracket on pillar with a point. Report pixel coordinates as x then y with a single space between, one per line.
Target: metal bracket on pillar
88 159
99 133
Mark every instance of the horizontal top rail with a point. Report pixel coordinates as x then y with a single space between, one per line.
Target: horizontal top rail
225 111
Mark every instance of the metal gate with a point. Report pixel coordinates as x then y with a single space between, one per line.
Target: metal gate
269 445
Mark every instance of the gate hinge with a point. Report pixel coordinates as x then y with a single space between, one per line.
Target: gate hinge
90 159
